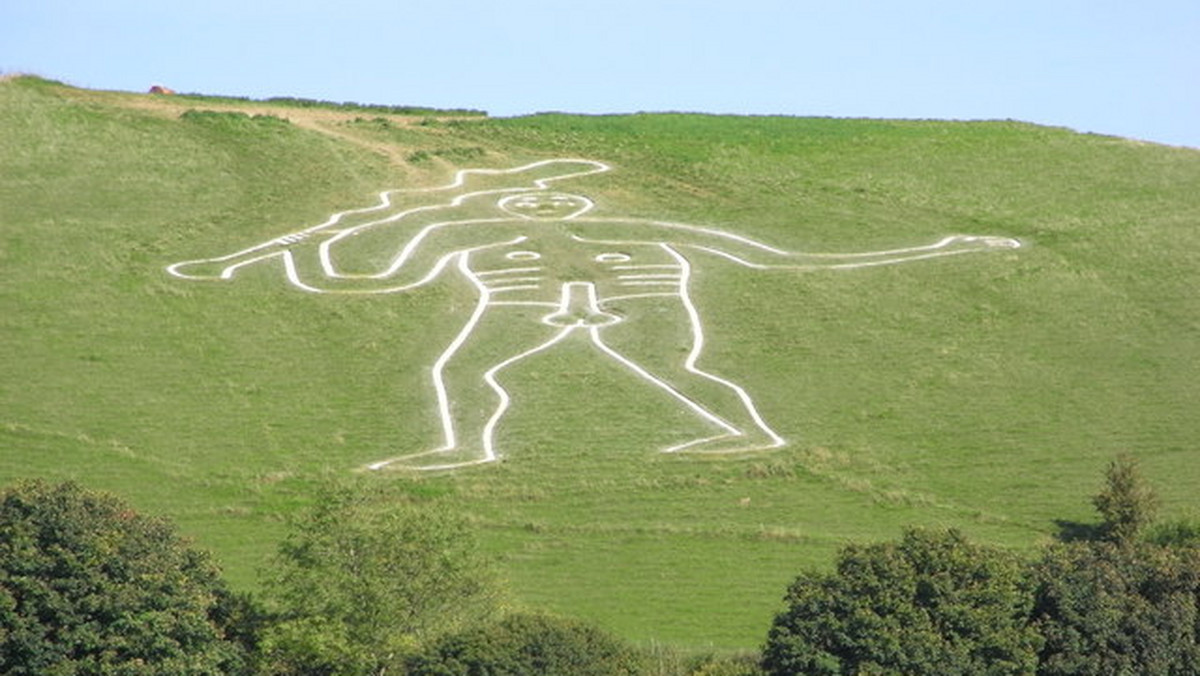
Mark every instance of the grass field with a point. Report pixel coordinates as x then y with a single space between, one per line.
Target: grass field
985 392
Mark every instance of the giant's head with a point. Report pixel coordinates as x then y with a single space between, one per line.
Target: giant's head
546 206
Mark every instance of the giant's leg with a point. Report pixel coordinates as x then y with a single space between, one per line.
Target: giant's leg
662 340
470 401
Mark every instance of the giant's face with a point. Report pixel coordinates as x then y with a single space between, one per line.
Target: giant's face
546 205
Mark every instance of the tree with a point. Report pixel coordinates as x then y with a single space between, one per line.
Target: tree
527 645
1184 532
88 586
363 578
1126 504
1121 604
1118 608
930 603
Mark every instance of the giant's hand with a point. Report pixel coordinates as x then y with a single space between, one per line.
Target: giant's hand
980 242
224 267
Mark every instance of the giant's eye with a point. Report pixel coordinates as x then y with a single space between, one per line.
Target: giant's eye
612 258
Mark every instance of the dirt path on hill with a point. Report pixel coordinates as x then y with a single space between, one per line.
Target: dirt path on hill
323 121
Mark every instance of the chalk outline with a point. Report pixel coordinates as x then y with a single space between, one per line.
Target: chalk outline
385 202
680 284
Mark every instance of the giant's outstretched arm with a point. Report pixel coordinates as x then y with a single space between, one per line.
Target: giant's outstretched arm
755 254
952 245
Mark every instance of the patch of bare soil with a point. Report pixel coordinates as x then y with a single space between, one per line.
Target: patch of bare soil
324 121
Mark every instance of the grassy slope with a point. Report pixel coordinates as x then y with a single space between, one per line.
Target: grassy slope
983 392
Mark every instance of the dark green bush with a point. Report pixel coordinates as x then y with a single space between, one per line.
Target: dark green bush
1177 533
527 645
366 576
1118 608
347 106
931 603
727 665
88 586
370 107
1127 504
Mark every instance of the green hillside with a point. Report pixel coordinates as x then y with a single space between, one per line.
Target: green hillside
984 391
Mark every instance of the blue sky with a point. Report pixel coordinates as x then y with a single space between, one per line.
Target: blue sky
1112 67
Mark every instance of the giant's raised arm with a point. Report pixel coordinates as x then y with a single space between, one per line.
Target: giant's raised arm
226 266
304 261
467 186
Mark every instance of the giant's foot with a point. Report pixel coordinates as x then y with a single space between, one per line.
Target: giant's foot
435 460
729 444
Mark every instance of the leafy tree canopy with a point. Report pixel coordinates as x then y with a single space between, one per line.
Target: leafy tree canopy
930 603
1127 504
1118 608
89 586
365 576
527 645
